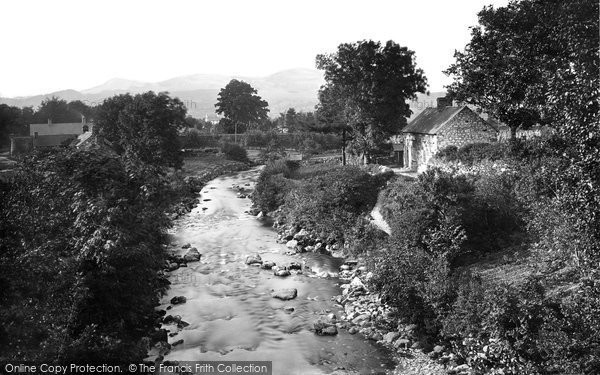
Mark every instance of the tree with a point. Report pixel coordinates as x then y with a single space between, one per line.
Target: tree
241 106
56 110
79 108
330 116
13 121
144 127
531 62
366 89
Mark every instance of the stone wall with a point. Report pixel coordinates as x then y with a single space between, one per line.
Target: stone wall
420 148
465 128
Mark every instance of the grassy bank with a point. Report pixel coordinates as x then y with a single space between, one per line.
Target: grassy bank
327 202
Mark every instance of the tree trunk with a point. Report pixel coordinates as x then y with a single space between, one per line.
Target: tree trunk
513 133
343 146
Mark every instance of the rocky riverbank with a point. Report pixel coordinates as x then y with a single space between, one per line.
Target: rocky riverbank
196 177
363 312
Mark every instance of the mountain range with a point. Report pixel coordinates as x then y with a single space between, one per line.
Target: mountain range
293 88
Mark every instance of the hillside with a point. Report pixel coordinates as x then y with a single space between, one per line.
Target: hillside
293 88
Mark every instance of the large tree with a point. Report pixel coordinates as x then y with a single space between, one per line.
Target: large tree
59 110
531 62
13 121
367 86
144 127
241 106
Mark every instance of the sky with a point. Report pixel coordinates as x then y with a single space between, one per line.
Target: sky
62 44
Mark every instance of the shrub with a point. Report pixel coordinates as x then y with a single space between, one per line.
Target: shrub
333 201
235 152
91 226
273 184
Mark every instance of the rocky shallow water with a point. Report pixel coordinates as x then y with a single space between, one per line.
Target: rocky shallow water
235 311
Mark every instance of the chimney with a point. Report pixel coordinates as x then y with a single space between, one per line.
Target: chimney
444 102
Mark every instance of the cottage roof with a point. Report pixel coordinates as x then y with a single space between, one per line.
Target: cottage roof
432 119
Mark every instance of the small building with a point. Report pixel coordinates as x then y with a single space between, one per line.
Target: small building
56 134
49 135
442 126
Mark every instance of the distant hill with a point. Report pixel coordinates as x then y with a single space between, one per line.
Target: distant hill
293 88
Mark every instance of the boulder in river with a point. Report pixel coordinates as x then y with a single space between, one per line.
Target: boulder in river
285 294
294 266
267 265
282 272
323 327
291 244
178 300
186 246
254 259
192 255
302 235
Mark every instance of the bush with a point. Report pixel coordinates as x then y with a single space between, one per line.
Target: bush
333 201
91 226
273 184
234 152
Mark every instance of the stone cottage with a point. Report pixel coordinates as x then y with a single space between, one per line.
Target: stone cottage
442 126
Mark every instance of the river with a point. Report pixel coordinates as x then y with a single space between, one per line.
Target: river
230 311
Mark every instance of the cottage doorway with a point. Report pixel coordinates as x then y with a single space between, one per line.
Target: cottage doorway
399 158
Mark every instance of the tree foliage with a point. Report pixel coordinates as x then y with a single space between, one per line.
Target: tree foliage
13 121
367 85
79 253
241 106
532 61
144 127
59 110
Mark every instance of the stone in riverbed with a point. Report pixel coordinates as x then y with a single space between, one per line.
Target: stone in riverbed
288 309
173 266
302 235
291 244
285 294
178 342
254 259
178 300
390 337
192 255
325 328
281 271
294 266
267 265
186 246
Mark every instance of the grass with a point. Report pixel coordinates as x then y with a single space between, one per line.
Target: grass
510 266
193 165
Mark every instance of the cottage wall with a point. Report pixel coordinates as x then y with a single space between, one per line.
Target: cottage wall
56 128
465 128
419 149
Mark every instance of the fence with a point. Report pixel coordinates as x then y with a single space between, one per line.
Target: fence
294 141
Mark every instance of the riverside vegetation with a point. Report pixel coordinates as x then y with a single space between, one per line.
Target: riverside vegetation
490 261
83 243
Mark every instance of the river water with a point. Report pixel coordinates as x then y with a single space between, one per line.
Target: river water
230 311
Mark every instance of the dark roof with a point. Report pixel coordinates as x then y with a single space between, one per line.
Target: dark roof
431 120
